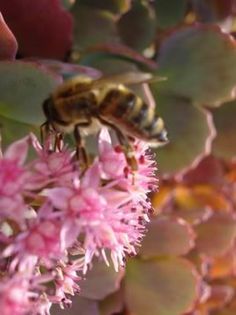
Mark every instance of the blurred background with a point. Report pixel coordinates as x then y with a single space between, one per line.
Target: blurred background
186 265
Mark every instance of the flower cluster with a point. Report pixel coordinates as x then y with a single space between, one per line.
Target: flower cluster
55 217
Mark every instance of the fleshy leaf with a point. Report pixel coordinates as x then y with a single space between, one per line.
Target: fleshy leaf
223 266
167 237
100 281
8 43
124 52
198 62
31 22
80 306
112 304
212 11
224 144
201 196
108 64
66 69
23 88
114 6
220 296
137 27
67 4
160 287
188 131
216 236
92 26
169 13
208 170
12 130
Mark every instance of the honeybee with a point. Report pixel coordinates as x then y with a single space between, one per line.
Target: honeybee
81 101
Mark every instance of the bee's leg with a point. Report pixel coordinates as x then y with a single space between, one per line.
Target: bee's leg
125 144
58 141
44 131
81 153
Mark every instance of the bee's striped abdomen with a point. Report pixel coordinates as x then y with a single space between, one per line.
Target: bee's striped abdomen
117 104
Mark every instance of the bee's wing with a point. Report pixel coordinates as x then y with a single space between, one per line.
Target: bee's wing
128 78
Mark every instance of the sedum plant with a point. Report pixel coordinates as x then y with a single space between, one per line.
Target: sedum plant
68 236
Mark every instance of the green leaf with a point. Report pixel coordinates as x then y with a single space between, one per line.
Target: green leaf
224 145
92 26
137 27
80 306
114 6
23 88
67 4
188 132
160 287
65 69
112 304
12 130
123 52
216 236
199 63
169 13
100 281
108 64
167 237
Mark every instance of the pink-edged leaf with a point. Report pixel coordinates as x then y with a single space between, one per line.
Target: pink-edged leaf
80 306
137 27
8 42
112 304
220 295
160 287
167 236
100 281
227 310
198 62
224 144
123 51
67 4
223 266
42 28
11 130
23 88
113 6
92 26
209 170
217 235
189 131
169 13
66 69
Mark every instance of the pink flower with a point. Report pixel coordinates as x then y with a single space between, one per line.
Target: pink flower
42 241
107 209
15 296
67 278
113 164
56 167
14 179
